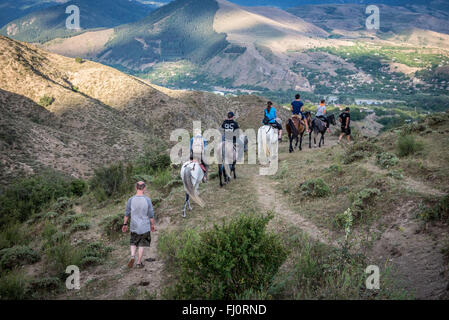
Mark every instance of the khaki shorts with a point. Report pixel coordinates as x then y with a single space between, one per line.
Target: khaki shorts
140 240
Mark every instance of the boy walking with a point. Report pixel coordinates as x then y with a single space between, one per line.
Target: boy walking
140 209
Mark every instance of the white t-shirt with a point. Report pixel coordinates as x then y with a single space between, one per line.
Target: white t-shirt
320 110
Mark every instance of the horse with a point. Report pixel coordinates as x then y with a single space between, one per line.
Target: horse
267 141
192 174
227 156
295 129
319 126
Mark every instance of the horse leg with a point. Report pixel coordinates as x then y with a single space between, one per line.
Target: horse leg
233 170
310 140
290 138
220 174
300 141
185 205
296 144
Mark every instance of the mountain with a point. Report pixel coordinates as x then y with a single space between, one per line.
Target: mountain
50 23
320 50
352 17
11 10
73 117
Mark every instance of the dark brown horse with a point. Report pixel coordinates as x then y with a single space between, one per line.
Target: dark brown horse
296 129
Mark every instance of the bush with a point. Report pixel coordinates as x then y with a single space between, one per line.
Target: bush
437 212
335 168
78 187
362 200
315 188
80 226
114 180
62 204
360 150
408 145
79 60
61 254
153 160
112 225
94 254
225 262
46 101
27 196
13 286
13 235
162 178
17 256
386 160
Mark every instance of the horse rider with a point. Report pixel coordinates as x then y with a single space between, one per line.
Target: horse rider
270 118
298 110
321 112
229 126
198 147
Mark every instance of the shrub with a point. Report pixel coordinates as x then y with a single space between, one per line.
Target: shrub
396 174
78 187
44 286
315 188
27 196
114 180
13 286
80 226
153 160
67 220
62 204
360 150
335 168
17 256
13 235
439 211
112 225
46 101
362 200
94 254
408 145
79 60
225 262
386 160
62 254
162 178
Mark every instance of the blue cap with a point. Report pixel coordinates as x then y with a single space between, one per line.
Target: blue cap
230 114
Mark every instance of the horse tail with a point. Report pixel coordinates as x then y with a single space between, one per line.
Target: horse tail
190 188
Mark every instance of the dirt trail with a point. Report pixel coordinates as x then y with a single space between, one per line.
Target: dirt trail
269 199
150 278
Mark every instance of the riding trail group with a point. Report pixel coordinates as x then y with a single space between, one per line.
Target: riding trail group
195 171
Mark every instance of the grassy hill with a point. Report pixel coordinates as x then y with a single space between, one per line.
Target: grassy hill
49 23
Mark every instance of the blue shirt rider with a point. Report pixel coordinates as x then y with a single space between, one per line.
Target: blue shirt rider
270 115
298 109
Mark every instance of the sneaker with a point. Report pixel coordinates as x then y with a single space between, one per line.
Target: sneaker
131 263
140 266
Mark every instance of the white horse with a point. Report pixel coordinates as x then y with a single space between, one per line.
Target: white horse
267 141
192 175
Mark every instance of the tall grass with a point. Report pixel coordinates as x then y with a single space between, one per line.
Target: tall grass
408 145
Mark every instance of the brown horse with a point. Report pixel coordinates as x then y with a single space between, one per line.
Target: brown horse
296 128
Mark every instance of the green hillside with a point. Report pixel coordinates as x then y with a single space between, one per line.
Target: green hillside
182 29
50 23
